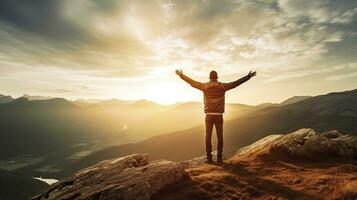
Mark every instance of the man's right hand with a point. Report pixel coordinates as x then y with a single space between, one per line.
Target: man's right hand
179 72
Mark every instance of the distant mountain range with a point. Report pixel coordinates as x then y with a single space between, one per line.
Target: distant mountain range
49 124
323 113
60 132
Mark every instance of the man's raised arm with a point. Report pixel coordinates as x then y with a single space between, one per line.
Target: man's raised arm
234 84
193 83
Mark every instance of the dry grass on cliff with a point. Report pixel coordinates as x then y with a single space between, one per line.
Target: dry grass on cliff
265 177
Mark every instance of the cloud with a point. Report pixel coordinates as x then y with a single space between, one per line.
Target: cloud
342 76
132 39
345 71
41 17
62 91
321 11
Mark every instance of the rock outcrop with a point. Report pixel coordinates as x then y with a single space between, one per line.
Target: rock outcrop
134 177
277 167
307 144
130 177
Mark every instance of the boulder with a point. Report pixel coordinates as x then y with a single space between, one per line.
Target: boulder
305 144
130 177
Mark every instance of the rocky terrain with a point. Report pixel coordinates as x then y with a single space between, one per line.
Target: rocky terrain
130 177
300 165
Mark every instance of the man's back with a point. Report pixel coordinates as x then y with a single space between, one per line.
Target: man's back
214 92
214 97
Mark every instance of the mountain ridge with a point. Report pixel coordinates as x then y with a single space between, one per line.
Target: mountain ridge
23 101
5 99
293 99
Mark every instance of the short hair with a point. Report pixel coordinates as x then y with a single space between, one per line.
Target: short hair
213 75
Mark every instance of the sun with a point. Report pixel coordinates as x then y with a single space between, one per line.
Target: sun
166 93
162 93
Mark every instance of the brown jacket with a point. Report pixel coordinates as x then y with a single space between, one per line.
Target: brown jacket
214 92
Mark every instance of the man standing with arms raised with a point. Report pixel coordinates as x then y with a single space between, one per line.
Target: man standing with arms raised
214 93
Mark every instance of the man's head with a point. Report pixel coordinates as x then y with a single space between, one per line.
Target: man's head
213 75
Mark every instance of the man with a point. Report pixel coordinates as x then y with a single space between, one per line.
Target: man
214 92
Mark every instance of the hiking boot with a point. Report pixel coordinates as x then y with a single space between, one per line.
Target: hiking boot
209 161
219 159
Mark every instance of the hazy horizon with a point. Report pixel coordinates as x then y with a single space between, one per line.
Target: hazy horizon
161 103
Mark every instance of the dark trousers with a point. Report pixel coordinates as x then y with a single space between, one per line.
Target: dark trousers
217 121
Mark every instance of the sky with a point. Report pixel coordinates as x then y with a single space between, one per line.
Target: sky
129 49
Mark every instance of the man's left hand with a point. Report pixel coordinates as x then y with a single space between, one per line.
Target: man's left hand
251 74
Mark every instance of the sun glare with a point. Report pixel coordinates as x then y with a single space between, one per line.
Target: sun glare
161 93
166 93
